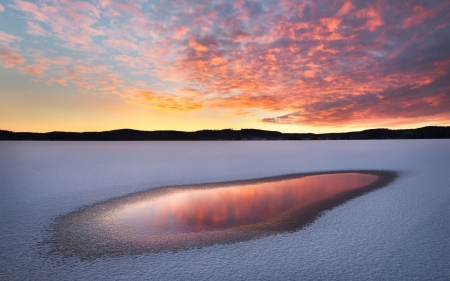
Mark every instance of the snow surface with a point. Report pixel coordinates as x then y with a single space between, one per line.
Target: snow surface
400 232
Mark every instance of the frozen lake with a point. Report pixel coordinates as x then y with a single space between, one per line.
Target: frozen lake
398 232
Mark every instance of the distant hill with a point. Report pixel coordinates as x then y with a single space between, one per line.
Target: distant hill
433 132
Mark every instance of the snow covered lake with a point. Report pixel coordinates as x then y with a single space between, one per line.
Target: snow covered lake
398 232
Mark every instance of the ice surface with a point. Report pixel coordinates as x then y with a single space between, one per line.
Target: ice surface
399 232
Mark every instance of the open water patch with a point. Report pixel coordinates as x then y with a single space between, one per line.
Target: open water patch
181 217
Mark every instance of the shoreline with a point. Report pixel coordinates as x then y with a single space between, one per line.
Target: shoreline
429 132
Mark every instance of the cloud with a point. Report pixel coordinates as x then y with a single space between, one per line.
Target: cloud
418 16
326 62
167 102
10 59
6 38
402 103
36 70
36 30
9 55
2 9
70 21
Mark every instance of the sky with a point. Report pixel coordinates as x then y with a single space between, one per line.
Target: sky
290 65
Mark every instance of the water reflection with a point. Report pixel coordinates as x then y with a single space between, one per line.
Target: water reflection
227 207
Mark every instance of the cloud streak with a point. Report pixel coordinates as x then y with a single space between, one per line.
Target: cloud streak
300 62
9 56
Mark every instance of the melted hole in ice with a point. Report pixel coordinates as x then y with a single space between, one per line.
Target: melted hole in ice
173 218
228 207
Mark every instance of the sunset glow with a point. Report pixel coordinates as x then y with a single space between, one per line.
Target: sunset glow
289 66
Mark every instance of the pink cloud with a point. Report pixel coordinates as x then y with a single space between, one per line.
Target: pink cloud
346 8
70 21
373 18
29 8
36 70
9 56
10 59
60 81
120 44
6 38
323 61
419 15
36 30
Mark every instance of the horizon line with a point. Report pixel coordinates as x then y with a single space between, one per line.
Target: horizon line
225 129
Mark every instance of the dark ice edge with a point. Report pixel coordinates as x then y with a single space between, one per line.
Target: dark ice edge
75 234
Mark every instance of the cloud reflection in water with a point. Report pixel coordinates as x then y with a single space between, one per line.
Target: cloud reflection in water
183 217
227 207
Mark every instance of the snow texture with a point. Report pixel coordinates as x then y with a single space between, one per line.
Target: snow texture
400 232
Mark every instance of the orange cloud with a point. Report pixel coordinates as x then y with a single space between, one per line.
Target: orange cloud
323 62
373 18
10 60
172 103
346 8
331 23
9 57
36 70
